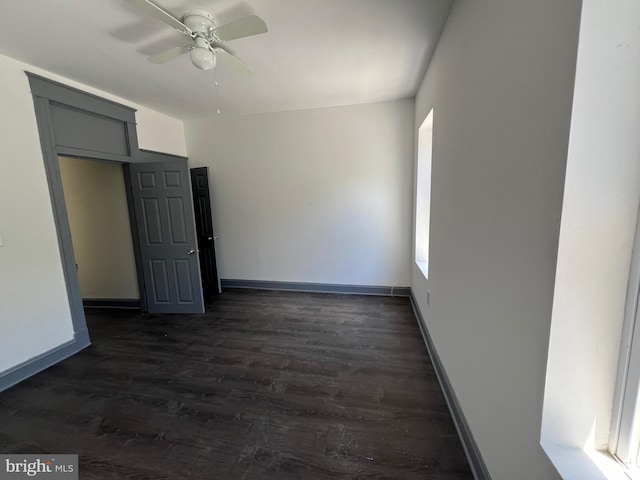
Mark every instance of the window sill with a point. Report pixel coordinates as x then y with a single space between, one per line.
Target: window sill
574 463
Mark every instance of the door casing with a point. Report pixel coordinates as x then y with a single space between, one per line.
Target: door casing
103 130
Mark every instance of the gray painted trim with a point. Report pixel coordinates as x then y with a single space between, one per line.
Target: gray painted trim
45 92
34 365
478 467
60 93
316 287
91 154
82 338
111 303
56 192
132 138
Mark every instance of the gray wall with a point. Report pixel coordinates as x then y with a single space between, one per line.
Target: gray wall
500 84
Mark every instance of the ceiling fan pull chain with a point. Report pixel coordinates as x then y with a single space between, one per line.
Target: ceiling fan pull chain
215 82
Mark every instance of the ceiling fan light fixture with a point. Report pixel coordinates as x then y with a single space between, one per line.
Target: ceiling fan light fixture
203 58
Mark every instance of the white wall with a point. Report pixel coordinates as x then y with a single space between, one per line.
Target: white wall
319 195
34 310
159 132
500 84
601 197
96 201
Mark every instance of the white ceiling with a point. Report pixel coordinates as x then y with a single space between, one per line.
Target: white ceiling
317 53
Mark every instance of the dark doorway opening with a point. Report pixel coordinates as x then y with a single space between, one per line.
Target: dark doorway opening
204 229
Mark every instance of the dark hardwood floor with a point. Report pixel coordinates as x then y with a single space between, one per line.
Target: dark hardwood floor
264 385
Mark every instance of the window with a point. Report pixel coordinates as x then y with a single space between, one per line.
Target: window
625 429
423 193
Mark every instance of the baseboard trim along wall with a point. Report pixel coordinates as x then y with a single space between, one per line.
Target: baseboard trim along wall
111 303
317 287
41 362
478 467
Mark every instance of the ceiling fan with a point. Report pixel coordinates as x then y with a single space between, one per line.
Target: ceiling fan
205 35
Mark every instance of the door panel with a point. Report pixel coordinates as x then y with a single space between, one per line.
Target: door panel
204 228
152 224
163 209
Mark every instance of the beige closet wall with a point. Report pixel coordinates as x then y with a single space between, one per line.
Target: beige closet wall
99 219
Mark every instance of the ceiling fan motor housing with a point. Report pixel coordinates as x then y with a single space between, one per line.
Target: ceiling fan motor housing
200 23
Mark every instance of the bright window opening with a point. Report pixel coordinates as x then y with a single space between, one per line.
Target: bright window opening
423 194
624 442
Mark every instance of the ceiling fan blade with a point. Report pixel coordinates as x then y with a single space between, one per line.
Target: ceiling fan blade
164 57
233 62
245 27
159 13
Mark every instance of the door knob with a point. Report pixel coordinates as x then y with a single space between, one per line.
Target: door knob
191 251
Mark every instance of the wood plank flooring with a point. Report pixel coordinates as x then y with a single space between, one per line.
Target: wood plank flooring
265 385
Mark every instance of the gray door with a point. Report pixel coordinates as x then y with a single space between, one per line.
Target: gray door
161 194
